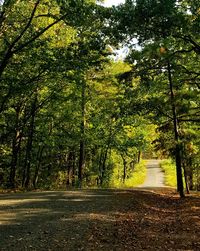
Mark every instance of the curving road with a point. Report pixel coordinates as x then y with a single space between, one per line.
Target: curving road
155 176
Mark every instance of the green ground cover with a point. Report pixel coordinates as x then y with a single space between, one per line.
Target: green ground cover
169 168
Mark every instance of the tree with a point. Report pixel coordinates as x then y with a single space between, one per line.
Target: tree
25 70
163 30
89 52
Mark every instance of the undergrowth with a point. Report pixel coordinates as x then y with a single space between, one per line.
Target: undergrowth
169 168
134 178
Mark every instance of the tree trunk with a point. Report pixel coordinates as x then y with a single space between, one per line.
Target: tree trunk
39 158
176 136
81 163
15 149
68 174
190 174
70 159
73 170
191 184
27 161
124 168
103 168
82 131
139 157
13 166
102 164
185 178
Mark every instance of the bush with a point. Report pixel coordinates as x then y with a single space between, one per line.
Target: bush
135 178
169 168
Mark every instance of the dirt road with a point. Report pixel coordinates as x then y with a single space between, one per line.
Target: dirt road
91 220
155 176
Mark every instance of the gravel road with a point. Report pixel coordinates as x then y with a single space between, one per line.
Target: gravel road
60 220
99 220
155 176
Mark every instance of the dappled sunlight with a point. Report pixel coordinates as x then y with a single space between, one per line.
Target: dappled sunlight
195 208
158 209
196 219
7 218
86 193
65 206
91 216
20 214
74 200
100 216
11 202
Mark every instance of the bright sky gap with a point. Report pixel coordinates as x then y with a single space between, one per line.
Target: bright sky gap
109 3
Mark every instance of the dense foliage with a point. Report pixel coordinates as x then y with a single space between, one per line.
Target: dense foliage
70 115
167 64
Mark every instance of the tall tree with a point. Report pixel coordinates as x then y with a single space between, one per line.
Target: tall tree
168 39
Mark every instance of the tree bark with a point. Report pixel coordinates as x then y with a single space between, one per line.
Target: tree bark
124 168
103 168
185 178
27 161
13 166
73 170
69 163
176 136
15 149
82 132
139 156
36 174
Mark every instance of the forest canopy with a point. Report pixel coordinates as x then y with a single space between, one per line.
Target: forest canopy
73 115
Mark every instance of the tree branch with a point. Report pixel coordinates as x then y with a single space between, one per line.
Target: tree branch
22 46
9 52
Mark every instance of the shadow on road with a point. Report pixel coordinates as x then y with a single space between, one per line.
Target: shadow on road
93 219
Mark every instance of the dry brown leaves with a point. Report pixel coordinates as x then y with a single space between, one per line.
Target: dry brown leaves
152 220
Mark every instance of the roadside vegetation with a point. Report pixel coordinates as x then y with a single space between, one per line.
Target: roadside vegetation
190 179
134 178
169 169
73 114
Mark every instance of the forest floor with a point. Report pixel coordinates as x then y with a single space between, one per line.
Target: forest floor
151 219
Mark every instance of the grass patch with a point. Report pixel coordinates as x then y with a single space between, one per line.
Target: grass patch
134 179
169 168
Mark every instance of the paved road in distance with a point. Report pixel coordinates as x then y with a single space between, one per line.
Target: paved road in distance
155 176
